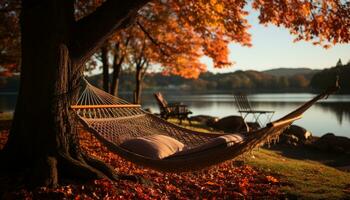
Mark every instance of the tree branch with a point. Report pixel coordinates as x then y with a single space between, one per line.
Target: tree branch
154 41
91 31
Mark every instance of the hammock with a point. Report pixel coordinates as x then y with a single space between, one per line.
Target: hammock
112 120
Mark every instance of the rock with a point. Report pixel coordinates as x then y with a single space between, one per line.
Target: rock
231 124
295 136
299 132
289 140
331 142
205 119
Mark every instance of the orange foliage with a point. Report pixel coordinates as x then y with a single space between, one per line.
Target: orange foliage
185 30
324 22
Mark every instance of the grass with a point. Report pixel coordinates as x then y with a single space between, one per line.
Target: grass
302 171
304 179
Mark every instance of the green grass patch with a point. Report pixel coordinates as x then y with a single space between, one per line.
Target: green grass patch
304 179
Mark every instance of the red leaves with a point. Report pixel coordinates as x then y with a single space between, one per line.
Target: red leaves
271 179
3 138
227 180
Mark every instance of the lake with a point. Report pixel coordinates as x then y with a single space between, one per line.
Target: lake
330 115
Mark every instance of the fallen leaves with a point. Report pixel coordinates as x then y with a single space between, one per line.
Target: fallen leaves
228 180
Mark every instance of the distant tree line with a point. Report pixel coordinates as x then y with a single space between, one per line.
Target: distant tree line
328 76
235 81
230 82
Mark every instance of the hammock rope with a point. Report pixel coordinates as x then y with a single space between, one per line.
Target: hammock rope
113 120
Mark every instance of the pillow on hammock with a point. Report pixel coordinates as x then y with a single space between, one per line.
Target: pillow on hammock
153 146
224 140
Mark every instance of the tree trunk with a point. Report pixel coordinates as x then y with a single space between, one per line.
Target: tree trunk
43 137
105 67
115 79
138 89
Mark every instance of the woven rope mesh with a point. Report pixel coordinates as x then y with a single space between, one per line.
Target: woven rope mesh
119 129
118 124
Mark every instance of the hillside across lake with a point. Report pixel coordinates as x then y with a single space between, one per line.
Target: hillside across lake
274 80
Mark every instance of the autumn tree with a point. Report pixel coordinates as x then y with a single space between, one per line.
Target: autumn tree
120 52
114 49
55 44
138 59
43 136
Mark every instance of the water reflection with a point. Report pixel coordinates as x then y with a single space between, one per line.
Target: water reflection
331 115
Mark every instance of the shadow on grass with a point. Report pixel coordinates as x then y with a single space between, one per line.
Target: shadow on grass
310 153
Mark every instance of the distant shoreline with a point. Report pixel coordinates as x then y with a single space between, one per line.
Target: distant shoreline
181 91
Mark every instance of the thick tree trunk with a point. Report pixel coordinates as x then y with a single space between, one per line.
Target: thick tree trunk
43 138
105 67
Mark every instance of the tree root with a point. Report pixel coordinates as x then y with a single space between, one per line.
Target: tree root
78 169
101 166
49 171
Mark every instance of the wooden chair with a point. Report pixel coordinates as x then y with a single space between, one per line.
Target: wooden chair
246 109
176 110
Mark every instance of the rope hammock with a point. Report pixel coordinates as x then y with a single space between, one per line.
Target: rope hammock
113 120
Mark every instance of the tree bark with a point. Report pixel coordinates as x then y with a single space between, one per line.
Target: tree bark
138 88
119 57
43 139
105 67
115 78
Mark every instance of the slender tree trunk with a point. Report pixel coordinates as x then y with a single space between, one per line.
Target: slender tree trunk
115 78
43 137
138 89
105 67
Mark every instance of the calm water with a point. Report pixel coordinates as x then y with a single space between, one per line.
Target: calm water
331 115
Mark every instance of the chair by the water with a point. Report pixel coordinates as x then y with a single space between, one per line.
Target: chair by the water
245 108
167 110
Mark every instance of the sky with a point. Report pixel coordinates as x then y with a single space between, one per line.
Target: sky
273 47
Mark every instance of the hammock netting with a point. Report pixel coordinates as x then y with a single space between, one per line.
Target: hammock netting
113 120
